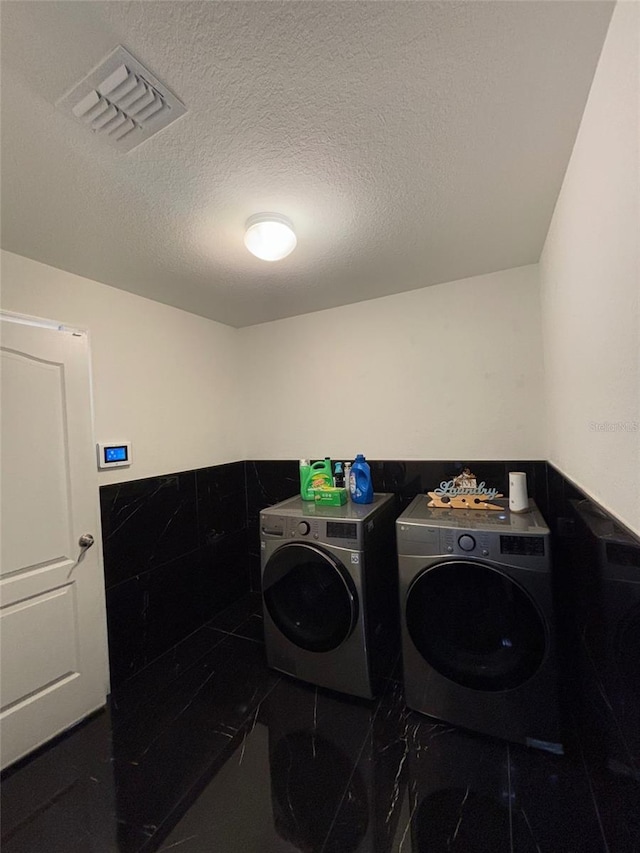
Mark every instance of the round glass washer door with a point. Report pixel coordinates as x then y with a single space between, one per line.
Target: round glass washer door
310 596
476 626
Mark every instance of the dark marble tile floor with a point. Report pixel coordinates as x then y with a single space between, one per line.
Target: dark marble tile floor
207 751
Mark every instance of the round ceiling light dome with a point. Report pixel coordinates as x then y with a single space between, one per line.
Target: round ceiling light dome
269 236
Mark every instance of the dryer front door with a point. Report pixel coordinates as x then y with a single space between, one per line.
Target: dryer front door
476 626
310 596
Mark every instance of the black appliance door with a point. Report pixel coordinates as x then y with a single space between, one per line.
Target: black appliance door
476 626
310 596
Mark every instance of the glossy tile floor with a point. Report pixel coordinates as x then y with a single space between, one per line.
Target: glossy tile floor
207 751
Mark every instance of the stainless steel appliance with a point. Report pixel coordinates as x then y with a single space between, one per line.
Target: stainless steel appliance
477 619
606 581
329 586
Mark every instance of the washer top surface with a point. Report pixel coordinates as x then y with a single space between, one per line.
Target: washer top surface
492 521
296 507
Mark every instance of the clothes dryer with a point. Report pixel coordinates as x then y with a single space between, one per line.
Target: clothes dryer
477 619
329 587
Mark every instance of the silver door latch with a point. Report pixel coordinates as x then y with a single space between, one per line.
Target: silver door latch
86 540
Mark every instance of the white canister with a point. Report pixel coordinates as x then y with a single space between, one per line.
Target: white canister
518 497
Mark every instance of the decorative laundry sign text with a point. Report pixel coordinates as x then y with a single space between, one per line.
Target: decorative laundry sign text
447 487
464 492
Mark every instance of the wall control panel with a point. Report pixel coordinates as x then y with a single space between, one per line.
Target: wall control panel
114 454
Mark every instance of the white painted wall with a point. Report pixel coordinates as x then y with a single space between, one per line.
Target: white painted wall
590 282
452 371
164 379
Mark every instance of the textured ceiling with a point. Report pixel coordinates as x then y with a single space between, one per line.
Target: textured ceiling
410 143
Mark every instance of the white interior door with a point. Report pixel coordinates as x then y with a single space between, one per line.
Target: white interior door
53 641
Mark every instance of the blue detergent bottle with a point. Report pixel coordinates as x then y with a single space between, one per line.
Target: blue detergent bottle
360 485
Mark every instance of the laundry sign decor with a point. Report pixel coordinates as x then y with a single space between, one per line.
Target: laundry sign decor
464 492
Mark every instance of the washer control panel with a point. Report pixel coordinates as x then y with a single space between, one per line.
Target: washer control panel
343 534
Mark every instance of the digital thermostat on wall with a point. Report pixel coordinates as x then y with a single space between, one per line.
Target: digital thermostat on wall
114 454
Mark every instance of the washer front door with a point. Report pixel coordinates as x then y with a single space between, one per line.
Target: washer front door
310 596
476 626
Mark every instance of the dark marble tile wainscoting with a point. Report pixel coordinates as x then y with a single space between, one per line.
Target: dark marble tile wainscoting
204 749
175 553
179 548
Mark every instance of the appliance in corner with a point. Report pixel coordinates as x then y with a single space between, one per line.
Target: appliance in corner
477 621
607 607
329 588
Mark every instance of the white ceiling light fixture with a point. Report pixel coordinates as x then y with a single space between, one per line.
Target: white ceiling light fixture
269 236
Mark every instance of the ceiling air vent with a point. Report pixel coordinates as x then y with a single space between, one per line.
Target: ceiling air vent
121 102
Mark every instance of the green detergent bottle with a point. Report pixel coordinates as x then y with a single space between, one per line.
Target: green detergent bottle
316 476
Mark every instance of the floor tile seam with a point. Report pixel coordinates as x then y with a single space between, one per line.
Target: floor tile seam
242 637
227 631
222 496
353 770
259 601
249 618
41 809
168 725
155 660
594 799
250 639
219 630
118 725
149 570
344 793
412 811
237 636
253 715
166 826
510 790
605 697
169 822
233 631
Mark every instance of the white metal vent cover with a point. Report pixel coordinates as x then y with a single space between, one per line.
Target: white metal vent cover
122 102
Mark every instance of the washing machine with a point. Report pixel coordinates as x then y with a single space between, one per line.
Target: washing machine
329 591
477 621
609 627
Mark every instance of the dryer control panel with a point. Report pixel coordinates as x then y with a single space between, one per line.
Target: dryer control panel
343 534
